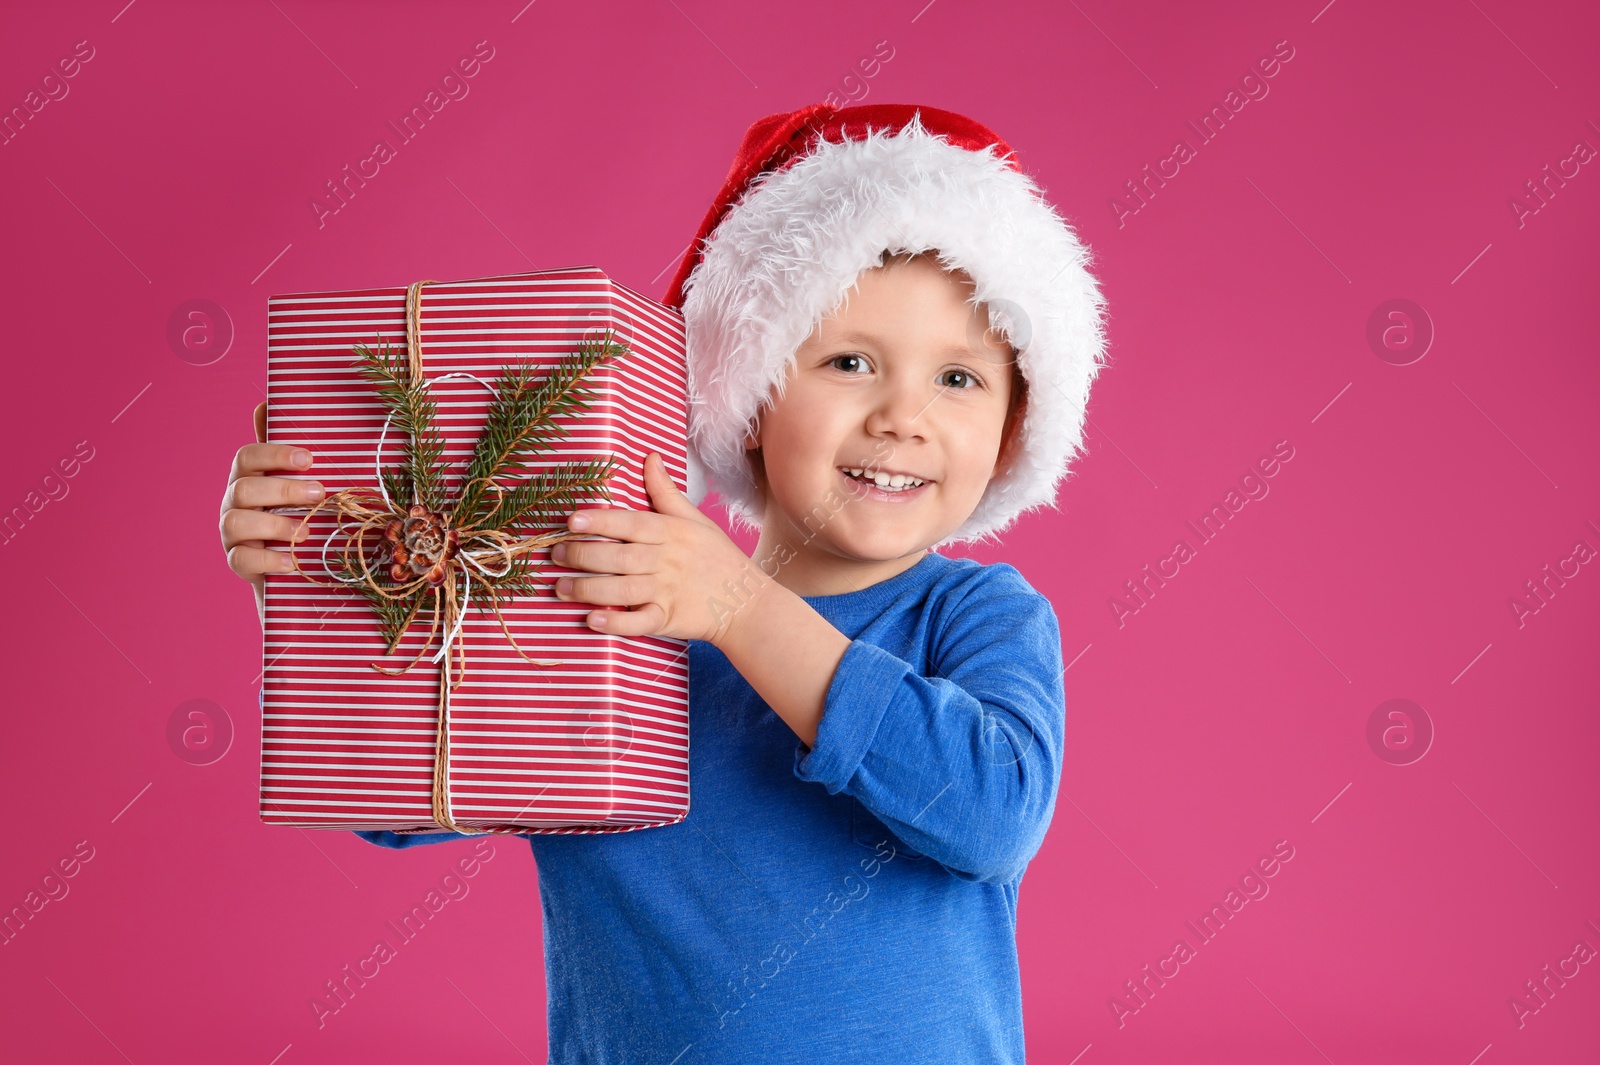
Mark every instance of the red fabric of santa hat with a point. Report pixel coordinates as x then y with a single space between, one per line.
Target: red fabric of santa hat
815 197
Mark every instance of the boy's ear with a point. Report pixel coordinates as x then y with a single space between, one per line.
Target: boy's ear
1011 441
755 460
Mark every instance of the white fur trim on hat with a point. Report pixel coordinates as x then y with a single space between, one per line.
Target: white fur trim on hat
797 240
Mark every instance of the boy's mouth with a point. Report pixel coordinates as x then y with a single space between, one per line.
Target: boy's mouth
895 487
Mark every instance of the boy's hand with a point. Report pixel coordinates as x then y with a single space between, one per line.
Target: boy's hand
245 524
681 574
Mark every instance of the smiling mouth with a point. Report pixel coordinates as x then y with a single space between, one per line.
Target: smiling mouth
884 485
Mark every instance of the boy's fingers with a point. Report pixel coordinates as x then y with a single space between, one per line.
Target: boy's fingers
262 458
257 526
665 494
623 590
635 526
248 560
604 556
271 492
641 622
261 422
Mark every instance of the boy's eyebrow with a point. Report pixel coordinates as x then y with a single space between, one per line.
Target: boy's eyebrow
857 337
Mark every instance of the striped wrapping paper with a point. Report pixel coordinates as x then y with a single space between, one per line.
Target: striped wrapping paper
596 743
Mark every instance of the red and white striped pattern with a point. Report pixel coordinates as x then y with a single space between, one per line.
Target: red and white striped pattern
596 743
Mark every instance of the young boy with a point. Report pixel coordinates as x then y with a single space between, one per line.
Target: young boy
875 729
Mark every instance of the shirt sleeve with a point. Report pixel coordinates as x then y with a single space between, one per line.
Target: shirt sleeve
400 840
963 765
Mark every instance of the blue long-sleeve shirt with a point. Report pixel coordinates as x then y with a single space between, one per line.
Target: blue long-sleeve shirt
852 902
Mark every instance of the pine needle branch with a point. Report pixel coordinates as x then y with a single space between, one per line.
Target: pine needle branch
546 498
412 410
396 484
525 417
394 615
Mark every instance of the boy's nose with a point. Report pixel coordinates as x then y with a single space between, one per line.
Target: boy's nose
901 413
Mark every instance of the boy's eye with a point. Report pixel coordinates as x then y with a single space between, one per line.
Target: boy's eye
853 363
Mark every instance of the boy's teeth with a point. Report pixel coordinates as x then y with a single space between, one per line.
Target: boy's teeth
884 480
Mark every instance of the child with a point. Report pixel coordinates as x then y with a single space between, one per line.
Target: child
875 729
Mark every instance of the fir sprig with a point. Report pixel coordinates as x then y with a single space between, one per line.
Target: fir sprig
551 494
397 486
413 409
394 615
525 417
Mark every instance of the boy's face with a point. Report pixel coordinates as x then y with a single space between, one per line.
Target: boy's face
906 379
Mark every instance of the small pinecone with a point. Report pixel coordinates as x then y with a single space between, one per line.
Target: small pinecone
421 545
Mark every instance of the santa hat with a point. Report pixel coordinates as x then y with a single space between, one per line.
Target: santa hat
814 198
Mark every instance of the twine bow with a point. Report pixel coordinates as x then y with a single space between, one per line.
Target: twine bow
428 550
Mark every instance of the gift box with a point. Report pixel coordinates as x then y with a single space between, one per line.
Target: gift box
514 716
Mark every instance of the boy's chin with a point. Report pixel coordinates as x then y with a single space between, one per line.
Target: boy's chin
881 547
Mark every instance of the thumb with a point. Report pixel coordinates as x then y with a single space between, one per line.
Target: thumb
664 494
261 422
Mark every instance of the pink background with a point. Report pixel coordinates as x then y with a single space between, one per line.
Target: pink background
1229 713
